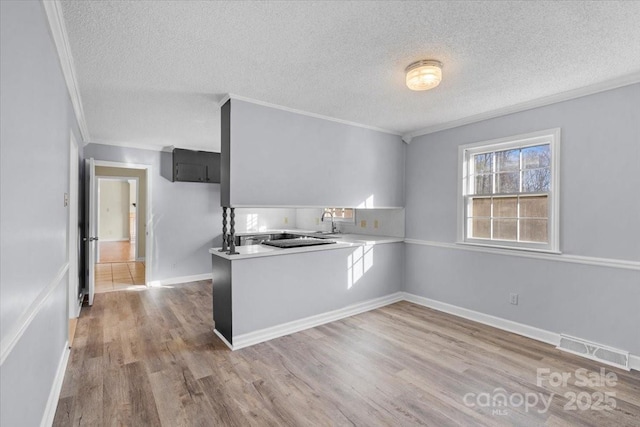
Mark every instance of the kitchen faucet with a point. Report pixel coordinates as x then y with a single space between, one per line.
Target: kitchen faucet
334 227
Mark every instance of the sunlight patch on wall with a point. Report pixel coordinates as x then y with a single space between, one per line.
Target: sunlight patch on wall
252 222
358 263
367 204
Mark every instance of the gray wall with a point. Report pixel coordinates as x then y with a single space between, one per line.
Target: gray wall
280 158
36 117
187 218
600 212
314 283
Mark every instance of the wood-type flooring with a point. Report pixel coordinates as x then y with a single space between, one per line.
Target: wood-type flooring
150 358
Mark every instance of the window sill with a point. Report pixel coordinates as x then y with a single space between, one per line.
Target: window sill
501 248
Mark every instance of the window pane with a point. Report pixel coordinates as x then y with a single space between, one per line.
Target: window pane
508 160
536 157
505 229
481 207
505 207
484 184
480 228
536 180
508 182
533 207
533 230
483 163
343 213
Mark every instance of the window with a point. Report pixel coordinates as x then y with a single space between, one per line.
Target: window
340 214
509 192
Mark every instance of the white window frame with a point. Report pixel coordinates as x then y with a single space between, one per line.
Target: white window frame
549 136
351 220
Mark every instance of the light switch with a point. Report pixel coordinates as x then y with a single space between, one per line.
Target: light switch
66 199
363 223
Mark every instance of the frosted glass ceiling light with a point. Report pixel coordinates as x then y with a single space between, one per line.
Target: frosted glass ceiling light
424 75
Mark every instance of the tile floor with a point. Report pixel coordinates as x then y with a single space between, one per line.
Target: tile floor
117 276
117 269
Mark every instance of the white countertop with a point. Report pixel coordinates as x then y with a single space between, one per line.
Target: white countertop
343 241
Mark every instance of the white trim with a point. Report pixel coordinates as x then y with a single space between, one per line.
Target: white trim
243 206
304 113
537 334
149 206
251 338
486 319
53 11
528 105
143 146
224 340
542 335
182 279
121 165
56 388
116 178
18 329
465 151
140 259
575 259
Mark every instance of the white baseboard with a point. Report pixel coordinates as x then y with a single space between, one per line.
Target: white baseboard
634 362
56 388
266 334
182 279
537 334
486 319
224 340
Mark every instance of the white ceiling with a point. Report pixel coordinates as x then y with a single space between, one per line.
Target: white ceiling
152 73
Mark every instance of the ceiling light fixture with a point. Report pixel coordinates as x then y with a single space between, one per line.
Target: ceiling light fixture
424 75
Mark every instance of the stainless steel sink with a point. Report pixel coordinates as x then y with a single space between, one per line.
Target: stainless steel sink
298 242
258 238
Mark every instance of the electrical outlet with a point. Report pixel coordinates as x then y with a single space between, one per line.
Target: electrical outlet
286 220
375 223
513 299
363 223
317 221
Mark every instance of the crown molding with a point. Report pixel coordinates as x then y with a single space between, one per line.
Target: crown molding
151 147
304 113
626 80
61 41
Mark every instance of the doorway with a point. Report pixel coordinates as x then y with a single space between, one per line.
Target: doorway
121 225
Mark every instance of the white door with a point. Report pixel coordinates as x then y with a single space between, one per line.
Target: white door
91 231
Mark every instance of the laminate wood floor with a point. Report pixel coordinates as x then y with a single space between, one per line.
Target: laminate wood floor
151 358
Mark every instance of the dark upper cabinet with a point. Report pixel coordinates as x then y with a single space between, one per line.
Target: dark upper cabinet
190 166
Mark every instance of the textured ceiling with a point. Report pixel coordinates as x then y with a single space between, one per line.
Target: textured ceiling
152 73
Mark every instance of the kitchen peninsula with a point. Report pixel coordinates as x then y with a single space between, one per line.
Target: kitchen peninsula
273 157
264 292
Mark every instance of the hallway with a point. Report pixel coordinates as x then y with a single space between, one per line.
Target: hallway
117 268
